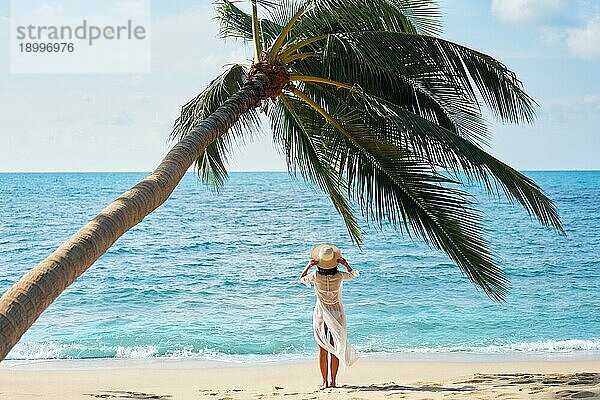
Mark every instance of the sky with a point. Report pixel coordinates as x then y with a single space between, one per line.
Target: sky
121 122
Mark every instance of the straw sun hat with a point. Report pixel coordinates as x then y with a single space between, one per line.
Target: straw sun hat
326 254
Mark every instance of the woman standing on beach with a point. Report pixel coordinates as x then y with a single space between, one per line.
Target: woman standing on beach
329 319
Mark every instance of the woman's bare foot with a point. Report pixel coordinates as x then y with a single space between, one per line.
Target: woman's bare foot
323 386
332 385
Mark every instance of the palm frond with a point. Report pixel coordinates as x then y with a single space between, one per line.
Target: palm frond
424 15
256 32
235 23
300 134
269 4
284 15
338 16
437 99
211 164
401 188
311 18
446 66
393 185
442 147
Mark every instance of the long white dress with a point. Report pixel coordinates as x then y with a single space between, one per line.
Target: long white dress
330 311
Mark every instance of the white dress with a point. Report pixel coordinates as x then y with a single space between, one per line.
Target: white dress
330 311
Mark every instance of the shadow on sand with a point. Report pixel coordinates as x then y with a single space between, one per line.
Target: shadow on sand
129 395
385 387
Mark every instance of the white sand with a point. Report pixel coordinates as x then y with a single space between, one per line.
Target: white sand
367 379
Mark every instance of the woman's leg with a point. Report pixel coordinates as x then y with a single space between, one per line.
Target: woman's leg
335 363
323 362
323 365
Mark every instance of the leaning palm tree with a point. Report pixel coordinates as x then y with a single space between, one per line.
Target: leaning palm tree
367 102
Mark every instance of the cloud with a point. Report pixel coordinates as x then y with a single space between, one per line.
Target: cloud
571 24
585 41
527 11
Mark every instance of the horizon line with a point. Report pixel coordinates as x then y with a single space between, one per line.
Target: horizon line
241 171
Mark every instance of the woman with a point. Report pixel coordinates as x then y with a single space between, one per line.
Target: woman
329 319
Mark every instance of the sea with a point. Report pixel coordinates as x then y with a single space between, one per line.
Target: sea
215 275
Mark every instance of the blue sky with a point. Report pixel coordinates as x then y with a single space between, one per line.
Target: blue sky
108 122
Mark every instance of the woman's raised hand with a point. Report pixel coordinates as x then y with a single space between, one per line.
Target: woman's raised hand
312 263
343 261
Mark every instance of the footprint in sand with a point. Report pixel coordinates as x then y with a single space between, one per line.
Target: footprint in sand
504 395
208 391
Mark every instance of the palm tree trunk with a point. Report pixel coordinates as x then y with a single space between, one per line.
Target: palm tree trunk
23 303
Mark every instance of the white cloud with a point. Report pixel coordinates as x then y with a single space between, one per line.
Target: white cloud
574 24
585 41
526 11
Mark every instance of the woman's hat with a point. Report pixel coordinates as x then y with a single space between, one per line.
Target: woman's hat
326 255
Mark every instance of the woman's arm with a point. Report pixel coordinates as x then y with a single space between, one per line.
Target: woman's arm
343 261
351 274
310 264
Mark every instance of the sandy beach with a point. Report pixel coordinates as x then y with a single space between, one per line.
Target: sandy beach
368 379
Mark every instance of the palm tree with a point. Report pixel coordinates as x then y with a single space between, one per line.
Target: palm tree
367 102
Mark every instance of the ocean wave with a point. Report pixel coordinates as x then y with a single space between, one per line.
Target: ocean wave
547 346
38 351
557 346
54 350
137 352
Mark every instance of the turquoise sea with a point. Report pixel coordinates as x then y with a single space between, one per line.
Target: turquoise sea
215 275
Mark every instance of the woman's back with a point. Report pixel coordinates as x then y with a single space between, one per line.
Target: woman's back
329 287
